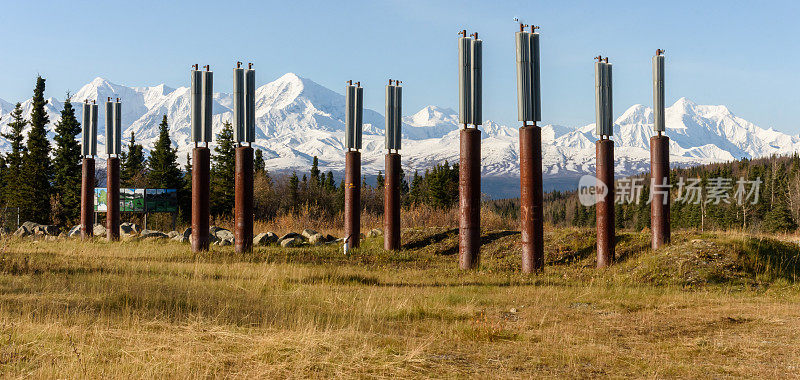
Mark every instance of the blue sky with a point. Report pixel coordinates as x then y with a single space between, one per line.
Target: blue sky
743 54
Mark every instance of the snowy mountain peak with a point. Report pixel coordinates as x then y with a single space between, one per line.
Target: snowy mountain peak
636 114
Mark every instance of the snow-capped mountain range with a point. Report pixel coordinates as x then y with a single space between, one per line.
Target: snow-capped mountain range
297 119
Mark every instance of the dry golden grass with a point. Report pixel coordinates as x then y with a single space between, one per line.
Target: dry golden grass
70 309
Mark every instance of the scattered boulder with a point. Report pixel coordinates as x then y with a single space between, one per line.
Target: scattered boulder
46 230
99 230
290 235
316 239
74 231
179 238
223 234
187 233
330 238
212 238
30 226
265 238
173 234
375 232
225 242
153 234
291 242
308 233
22 231
127 228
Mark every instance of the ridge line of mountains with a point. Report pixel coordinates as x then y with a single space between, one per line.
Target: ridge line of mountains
297 119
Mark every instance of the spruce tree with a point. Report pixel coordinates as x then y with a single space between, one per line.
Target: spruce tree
258 162
222 172
379 181
38 172
12 189
132 167
67 163
294 191
163 170
315 171
330 185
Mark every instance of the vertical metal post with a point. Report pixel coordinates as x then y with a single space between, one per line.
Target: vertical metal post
201 157
391 203
112 199
469 191
352 198
531 213
87 198
605 204
243 200
659 174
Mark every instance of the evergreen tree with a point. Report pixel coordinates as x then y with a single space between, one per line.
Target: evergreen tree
163 170
12 190
223 166
379 181
67 163
315 171
294 191
38 172
185 194
330 185
132 167
779 219
258 162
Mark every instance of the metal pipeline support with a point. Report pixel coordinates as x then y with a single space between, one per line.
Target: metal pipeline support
391 203
201 161
605 204
243 200
87 198
112 199
531 199
352 199
469 191
659 174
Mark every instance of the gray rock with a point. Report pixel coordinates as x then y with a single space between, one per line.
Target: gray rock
375 232
290 235
22 231
74 231
135 228
30 226
47 230
291 242
212 238
173 234
99 230
128 237
225 242
308 233
223 234
316 239
330 238
187 233
126 228
264 238
153 234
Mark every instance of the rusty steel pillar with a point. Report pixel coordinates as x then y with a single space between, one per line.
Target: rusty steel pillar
469 194
391 203
352 198
112 199
605 203
201 157
243 201
659 174
87 198
531 212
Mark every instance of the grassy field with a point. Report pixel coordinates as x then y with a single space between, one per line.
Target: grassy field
711 305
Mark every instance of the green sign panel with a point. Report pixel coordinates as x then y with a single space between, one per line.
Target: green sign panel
138 200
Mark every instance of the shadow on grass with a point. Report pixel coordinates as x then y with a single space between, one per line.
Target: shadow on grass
773 258
428 240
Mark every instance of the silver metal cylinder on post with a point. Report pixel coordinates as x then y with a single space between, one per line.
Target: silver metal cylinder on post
208 105
658 93
349 115
359 116
238 105
476 80
523 75
599 98
535 88
609 101
109 127
196 82
86 130
250 105
390 115
93 145
398 116
464 80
